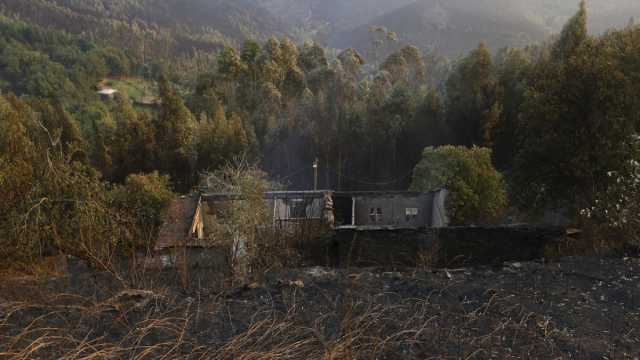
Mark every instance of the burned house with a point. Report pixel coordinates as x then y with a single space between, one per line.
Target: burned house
336 228
300 215
390 209
399 209
299 209
182 236
185 239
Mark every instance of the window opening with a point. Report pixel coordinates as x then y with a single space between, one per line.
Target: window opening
411 213
298 209
375 214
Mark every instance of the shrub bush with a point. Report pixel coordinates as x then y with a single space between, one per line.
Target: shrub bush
143 198
477 191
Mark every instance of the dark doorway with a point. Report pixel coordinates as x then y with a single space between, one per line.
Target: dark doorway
343 210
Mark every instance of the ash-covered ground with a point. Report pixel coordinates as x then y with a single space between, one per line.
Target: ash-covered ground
575 308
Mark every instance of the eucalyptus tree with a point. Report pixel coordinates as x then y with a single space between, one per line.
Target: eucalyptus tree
579 118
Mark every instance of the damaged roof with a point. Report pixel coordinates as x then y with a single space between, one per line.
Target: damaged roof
268 195
178 222
315 193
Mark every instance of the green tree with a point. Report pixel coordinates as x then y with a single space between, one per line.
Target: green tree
230 70
144 198
230 64
352 63
513 70
477 191
578 122
213 134
472 98
406 67
618 206
17 156
134 144
573 35
175 137
252 77
312 57
53 203
382 40
426 126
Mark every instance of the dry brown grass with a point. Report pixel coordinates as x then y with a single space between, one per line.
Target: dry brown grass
332 315
357 329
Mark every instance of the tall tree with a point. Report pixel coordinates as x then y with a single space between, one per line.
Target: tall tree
352 63
312 57
174 136
248 92
578 122
407 67
513 69
573 35
472 97
134 148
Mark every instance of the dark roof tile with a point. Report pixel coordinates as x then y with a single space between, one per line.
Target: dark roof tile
177 223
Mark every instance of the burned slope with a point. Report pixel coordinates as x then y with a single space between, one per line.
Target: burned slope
585 308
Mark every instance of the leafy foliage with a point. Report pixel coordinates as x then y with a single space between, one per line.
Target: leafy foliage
143 198
477 191
578 119
473 98
152 28
245 224
618 206
299 105
55 201
50 64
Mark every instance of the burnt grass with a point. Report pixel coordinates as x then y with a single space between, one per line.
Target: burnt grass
574 308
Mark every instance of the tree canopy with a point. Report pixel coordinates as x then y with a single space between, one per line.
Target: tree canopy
477 191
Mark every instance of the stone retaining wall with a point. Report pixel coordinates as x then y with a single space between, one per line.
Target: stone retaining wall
447 247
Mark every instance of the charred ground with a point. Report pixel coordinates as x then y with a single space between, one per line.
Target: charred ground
583 308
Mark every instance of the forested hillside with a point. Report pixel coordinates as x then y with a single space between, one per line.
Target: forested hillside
325 17
51 64
455 27
162 28
184 29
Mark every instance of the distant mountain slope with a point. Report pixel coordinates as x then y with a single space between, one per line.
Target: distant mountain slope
456 26
169 28
452 26
333 15
182 25
602 14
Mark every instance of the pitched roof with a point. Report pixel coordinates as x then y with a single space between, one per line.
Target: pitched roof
177 223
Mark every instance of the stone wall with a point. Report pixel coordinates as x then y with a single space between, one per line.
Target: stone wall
454 246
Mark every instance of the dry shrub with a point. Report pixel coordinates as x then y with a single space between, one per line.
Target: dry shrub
597 239
244 225
431 256
68 210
